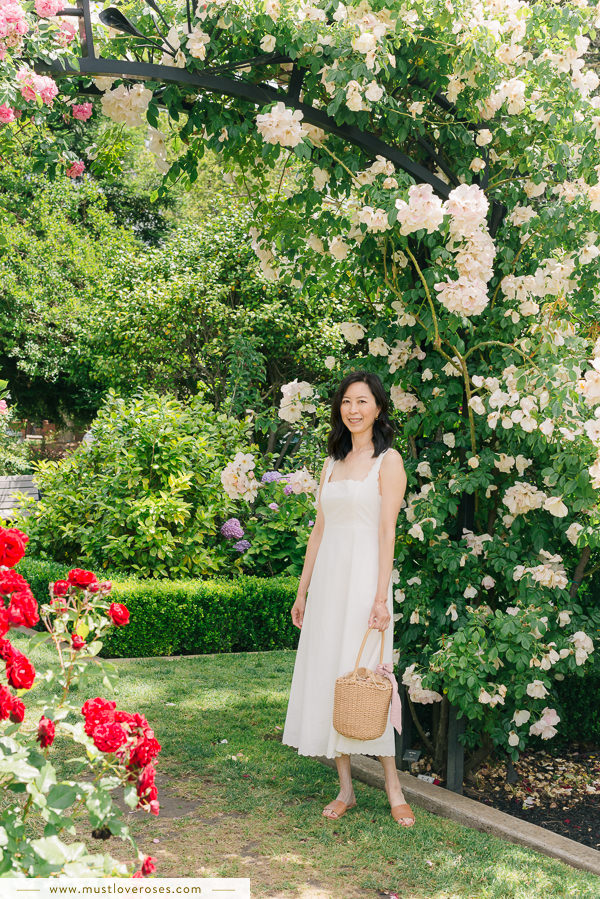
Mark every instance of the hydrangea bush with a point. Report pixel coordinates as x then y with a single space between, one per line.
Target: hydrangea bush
278 514
115 748
476 255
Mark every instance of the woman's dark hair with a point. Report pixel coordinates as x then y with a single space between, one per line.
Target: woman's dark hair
339 442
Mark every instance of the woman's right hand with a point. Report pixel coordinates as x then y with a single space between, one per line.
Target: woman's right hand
298 611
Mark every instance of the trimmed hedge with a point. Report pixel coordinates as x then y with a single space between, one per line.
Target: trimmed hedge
186 617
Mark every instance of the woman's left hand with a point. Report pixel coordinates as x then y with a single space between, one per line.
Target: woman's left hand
379 617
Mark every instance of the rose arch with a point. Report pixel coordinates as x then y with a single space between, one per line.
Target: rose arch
444 155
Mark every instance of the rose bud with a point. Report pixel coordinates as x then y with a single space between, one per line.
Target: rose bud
77 641
45 734
18 710
148 866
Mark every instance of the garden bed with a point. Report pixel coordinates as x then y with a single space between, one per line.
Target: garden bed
557 790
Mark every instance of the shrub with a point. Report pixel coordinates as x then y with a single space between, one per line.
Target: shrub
190 616
115 747
144 496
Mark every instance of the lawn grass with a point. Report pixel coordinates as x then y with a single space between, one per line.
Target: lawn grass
259 815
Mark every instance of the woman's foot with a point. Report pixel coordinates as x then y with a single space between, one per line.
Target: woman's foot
340 806
396 798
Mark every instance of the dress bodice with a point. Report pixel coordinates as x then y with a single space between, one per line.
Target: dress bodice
352 503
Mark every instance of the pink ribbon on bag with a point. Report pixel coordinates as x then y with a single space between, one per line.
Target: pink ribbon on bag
386 669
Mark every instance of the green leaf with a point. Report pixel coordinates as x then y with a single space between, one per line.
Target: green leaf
62 796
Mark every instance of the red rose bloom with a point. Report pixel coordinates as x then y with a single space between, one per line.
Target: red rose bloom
109 737
97 711
19 670
6 703
146 781
6 649
23 609
94 587
144 751
59 588
11 581
125 718
148 798
4 622
148 866
18 710
12 546
81 578
119 613
77 641
45 734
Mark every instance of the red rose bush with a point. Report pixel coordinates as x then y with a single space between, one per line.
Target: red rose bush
120 746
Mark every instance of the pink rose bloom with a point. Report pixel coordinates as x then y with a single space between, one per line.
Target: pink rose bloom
3 404
7 115
46 88
82 111
66 33
76 169
26 80
47 8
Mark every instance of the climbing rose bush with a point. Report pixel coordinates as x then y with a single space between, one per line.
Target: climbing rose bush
116 748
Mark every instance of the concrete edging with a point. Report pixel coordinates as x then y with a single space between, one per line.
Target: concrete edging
476 815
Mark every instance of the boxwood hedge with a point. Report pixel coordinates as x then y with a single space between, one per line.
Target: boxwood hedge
189 616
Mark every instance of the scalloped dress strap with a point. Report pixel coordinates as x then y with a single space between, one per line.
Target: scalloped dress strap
377 463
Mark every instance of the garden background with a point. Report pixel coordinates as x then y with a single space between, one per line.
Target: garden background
138 317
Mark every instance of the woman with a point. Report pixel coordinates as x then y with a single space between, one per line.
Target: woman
347 575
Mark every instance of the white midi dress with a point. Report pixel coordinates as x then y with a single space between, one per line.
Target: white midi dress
338 604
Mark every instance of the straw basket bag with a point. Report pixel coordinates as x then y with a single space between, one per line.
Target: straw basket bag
361 700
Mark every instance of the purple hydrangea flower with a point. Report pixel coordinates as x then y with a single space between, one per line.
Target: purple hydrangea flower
274 506
232 529
270 476
242 545
287 489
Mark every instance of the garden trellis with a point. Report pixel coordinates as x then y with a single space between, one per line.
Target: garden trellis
219 80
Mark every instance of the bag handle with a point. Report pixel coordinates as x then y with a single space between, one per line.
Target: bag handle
362 646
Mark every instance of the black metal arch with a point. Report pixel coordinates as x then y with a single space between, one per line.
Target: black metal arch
215 81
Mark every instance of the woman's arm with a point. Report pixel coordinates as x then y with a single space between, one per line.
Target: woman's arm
312 547
393 487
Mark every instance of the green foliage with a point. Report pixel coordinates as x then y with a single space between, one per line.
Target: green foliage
59 251
277 537
189 616
144 496
186 617
14 457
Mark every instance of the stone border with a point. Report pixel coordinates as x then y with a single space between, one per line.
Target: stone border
477 815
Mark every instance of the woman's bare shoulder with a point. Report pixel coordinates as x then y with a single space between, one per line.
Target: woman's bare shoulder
392 458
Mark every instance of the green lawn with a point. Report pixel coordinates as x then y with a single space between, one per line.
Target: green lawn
259 815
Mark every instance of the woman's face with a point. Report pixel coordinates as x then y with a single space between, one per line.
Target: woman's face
358 408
